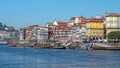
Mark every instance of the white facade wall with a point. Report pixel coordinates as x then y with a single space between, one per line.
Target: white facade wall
76 20
118 22
42 34
21 36
1 36
111 22
71 23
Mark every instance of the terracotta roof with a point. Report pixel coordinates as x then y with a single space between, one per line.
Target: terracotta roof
26 27
31 27
82 19
95 20
50 24
62 24
64 27
113 14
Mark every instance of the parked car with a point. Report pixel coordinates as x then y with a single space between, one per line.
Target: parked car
100 40
105 40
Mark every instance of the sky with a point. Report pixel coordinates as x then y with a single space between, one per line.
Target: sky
21 13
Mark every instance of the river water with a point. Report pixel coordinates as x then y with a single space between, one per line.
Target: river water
15 57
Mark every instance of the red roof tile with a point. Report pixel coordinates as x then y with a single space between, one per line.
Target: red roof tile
82 19
62 24
113 14
50 24
64 27
95 20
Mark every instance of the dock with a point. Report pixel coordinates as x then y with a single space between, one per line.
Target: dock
105 46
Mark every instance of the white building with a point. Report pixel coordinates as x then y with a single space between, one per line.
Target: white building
42 34
79 28
112 22
4 34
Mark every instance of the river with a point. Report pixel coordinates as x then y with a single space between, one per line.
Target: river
15 57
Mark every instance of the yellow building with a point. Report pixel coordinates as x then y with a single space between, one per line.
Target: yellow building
95 28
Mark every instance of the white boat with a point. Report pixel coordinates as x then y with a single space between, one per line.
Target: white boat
87 46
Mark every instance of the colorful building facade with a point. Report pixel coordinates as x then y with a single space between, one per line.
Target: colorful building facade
79 28
95 28
29 32
60 31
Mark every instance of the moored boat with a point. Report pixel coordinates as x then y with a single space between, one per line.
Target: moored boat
12 44
59 47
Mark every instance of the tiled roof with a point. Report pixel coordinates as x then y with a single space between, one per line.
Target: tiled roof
31 27
50 24
62 24
26 27
112 14
64 27
82 19
95 20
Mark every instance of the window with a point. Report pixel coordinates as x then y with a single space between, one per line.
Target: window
97 32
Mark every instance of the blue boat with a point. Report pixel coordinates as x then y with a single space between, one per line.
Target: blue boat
87 46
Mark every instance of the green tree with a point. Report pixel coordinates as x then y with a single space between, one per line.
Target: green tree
114 35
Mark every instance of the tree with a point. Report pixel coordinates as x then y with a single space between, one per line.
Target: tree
114 35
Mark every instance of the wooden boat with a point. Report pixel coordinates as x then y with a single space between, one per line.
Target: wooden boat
59 47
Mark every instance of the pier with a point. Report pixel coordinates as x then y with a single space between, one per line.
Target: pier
106 46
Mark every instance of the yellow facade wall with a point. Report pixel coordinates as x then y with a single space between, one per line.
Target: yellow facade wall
95 29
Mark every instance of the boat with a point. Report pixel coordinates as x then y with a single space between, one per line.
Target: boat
12 44
59 47
88 46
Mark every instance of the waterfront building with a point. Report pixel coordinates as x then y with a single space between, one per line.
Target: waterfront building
25 33
72 21
95 28
60 31
63 31
78 28
112 21
29 32
51 30
42 34
82 24
4 35
21 34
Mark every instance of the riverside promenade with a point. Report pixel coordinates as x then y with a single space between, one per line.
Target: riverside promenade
106 46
